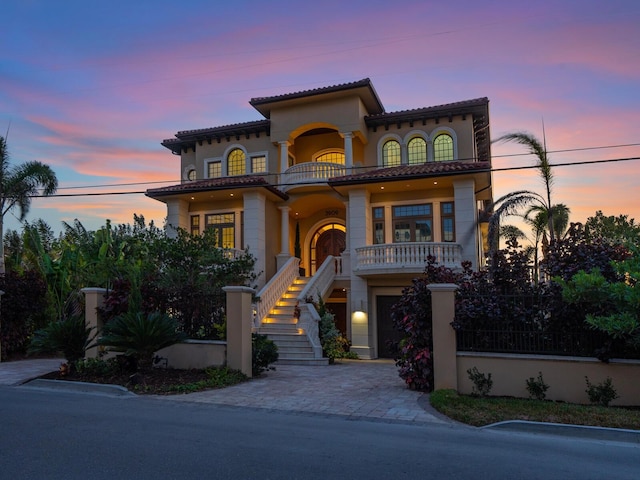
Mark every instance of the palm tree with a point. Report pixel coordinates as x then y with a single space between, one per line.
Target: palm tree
18 184
514 202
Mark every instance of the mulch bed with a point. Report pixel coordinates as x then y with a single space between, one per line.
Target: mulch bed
155 382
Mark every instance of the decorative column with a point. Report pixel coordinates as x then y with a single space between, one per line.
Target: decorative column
445 369
466 212
348 150
284 155
285 253
255 232
239 323
177 217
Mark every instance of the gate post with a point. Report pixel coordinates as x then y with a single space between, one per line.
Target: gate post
445 369
239 325
93 299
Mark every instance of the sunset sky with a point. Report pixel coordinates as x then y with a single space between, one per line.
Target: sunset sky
92 88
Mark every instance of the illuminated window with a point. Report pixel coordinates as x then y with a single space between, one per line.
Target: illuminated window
391 154
191 175
258 164
195 224
236 162
417 150
331 157
378 225
224 226
447 213
215 169
412 223
443 148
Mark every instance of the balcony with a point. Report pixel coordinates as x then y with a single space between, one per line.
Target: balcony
310 173
393 258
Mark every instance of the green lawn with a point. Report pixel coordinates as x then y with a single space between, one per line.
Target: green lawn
480 411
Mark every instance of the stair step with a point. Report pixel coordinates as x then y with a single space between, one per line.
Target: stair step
320 362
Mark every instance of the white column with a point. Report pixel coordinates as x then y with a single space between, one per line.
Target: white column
361 328
285 252
177 217
255 232
466 211
284 230
348 150
284 155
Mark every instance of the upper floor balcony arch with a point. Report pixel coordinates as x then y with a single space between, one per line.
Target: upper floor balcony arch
315 153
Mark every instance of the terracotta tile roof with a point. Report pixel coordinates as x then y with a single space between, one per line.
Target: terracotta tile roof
234 127
425 170
455 108
371 99
222 183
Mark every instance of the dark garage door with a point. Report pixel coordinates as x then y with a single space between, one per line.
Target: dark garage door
386 332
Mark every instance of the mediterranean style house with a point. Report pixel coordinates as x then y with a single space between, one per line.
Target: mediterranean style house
339 199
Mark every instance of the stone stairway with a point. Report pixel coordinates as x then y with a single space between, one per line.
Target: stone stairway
281 327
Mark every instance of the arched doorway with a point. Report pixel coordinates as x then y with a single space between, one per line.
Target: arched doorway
328 240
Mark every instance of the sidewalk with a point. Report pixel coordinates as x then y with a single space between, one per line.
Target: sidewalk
15 373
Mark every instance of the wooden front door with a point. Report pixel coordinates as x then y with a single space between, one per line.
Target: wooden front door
331 242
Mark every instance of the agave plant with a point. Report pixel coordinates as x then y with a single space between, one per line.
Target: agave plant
139 335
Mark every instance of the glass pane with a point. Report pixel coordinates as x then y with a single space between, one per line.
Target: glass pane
447 230
402 232
215 170
259 164
423 231
443 148
236 162
378 234
417 150
391 154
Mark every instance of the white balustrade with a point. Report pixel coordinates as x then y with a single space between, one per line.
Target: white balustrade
311 172
275 288
322 280
407 256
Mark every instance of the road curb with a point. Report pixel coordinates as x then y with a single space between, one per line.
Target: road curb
79 387
581 431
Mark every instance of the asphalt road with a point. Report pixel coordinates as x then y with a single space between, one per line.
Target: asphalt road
64 435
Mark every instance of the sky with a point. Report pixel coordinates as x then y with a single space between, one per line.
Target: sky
92 88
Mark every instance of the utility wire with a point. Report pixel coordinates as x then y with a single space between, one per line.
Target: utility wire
504 169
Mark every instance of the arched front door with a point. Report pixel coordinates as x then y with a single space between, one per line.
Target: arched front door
329 240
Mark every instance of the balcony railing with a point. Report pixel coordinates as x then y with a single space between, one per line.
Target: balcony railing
311 172
405 257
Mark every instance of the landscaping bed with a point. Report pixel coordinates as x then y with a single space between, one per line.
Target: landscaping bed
158 381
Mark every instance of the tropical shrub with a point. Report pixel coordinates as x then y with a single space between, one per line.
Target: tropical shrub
69 336
139 336
334 343
482 383
412 316
263 353
602 393
537 388
23 310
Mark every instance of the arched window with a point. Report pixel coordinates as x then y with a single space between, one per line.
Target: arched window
236 162
443 148
391 156
417 150
331 157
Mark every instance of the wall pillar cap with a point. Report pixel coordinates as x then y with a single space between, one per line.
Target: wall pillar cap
238 288
93 290
442 287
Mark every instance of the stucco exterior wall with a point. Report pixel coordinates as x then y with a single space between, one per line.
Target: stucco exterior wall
195 354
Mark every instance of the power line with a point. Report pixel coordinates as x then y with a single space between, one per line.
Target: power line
603 147
522 167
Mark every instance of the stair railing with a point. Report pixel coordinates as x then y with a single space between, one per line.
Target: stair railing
321 280
274 289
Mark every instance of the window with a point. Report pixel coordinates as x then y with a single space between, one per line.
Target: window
224 226
236 162
195 224
412 223
258 164
417 150
447 213
443 148
215 169
391 154
331 157
191 175
378 225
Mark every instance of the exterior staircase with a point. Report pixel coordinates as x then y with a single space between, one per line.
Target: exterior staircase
281 326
